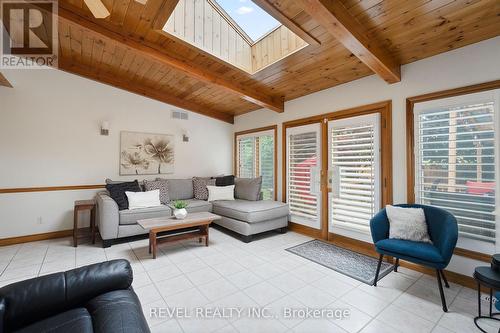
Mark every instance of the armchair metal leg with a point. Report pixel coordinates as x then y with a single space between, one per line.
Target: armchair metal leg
444 279
441 292
378 269
396 265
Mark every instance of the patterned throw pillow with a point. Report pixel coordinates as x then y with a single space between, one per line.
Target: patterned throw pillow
200 187
117 192
159 184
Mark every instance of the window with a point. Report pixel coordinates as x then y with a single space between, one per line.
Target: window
246 14
355 171
456 163
255 156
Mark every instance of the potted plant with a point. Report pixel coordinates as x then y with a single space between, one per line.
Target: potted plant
179 207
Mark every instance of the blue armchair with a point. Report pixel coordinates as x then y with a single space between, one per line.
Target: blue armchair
443 231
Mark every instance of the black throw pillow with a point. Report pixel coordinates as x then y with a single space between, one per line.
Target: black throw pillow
117 192
224 181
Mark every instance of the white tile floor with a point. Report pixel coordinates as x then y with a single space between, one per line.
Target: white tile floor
261 274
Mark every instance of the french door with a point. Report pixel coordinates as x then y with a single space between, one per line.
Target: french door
354 174
303 174
338 170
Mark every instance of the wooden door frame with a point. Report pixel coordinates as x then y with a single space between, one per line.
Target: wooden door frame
273 128
384 108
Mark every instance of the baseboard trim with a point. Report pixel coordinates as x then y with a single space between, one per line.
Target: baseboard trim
304 230
35 237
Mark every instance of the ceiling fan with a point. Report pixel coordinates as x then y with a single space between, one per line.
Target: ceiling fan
100 11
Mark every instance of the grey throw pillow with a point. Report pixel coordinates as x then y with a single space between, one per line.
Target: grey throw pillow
200 187
247 188
162 185
407 223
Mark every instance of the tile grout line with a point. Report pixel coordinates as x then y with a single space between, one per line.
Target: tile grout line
156 287
12 258
43 260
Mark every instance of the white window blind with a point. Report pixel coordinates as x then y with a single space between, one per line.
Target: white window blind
354 171
302 171
246 157
457 163
255 157
266 165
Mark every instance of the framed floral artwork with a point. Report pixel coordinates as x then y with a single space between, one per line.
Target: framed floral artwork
146 153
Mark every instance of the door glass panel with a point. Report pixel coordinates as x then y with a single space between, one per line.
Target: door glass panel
303 174
354 168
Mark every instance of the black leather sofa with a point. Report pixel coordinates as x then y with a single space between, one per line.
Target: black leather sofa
95 298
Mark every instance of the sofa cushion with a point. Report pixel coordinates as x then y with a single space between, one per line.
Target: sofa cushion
180 189
195 206
251 211
128 217
75 320
419 250
247 188
117 192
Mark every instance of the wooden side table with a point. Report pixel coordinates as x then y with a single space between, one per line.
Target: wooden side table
83 205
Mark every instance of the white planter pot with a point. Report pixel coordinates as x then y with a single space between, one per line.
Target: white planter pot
180 213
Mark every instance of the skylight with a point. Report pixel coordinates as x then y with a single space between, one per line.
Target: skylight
252 19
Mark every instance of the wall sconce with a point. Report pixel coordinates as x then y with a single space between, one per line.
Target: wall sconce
185 135
105 128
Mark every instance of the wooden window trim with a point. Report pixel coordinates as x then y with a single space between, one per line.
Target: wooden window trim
273 128
385 110
410 144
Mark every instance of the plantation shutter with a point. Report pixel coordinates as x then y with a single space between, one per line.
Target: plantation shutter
354 171
246 157
255 157
266 167
456 162
303 174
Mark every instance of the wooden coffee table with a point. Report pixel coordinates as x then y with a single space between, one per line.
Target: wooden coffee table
169 229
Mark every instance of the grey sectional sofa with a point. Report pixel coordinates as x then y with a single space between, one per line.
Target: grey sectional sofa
244 217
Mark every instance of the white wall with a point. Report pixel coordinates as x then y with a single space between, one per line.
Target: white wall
473 64
49 136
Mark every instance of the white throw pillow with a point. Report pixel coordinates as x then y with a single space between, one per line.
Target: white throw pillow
407 223
220 192
143 199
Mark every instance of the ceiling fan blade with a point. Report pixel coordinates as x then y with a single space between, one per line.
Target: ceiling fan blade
142 1
97 8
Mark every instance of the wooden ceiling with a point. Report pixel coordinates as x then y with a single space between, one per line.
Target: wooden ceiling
128 50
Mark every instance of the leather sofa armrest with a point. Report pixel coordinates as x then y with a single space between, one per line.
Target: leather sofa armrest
32 300
108 218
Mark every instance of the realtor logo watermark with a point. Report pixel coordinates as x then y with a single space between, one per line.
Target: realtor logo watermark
29 34
285 313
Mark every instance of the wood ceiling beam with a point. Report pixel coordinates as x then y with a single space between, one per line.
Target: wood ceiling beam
112 80
164 13
275 103
336 19
4 82
272 10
